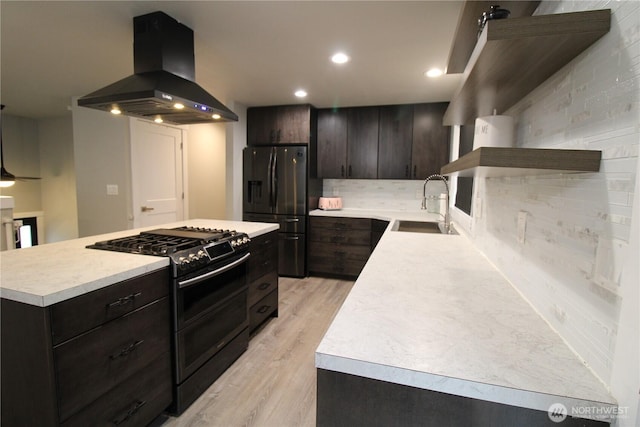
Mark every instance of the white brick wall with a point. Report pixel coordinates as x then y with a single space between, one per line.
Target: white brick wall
401 195
578 225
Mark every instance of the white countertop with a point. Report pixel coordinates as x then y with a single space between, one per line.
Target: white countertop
430 311
46 274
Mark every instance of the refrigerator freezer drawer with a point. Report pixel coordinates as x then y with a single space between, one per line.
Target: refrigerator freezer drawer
292 254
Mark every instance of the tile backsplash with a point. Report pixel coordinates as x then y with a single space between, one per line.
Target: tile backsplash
562 239
387 195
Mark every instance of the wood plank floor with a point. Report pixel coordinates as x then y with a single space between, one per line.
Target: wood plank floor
274 382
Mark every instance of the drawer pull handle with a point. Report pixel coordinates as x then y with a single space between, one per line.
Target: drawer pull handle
264 286
131 412
264 309
124 300
126 351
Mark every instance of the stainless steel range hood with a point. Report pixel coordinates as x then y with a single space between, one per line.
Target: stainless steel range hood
163 87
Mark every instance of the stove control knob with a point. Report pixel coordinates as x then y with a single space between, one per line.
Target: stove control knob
183 263
246 239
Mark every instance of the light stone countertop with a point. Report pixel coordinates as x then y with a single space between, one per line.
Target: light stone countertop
47 274
430 311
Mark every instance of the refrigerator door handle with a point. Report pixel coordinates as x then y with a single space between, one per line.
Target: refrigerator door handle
274 180
270 178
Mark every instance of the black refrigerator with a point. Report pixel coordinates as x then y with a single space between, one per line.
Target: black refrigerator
277 188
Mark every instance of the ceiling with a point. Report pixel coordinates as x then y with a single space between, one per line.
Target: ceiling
251 52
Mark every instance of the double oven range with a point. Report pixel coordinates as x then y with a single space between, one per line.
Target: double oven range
210 324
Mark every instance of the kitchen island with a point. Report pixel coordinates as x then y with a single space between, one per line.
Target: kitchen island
433 334
47 274
90 337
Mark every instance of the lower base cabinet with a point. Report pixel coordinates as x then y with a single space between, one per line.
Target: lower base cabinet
342 246
262 275
100 359
350 400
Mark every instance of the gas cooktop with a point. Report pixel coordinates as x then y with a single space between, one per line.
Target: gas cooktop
167 241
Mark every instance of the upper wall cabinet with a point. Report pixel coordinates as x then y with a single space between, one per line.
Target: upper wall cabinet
362 145
388 142
430 147
394 142
332 143
513 56
283 124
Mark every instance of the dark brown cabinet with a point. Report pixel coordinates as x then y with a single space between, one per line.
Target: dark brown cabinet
102 358
362 147
332 143
394 142
262 275
283 124
430 147
339 246
389 142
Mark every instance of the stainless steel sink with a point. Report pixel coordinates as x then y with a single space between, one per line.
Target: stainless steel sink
421 227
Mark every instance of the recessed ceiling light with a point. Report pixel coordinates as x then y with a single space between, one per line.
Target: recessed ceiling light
300 93
340 58
434 72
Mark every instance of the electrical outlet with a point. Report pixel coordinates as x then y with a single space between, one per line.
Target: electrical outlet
112 189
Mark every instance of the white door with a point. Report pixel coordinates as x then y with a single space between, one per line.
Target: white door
156 173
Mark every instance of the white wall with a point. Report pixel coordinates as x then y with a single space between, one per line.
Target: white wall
101 156
578 262
22 158
206 156
57 169
236 141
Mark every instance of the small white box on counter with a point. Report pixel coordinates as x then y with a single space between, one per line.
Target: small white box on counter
330 203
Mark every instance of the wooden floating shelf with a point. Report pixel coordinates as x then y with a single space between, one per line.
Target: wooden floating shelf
513 56
497 161
467 29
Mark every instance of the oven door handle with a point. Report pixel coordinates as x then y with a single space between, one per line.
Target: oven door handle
194 280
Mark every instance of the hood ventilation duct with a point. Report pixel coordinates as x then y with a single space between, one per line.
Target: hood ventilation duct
163 87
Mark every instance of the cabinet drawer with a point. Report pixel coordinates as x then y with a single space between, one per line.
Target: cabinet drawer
262 286
338 259
339 252
93 363
351 237
264 256
337 267
263 309
135 402
72 317
341 223
264 243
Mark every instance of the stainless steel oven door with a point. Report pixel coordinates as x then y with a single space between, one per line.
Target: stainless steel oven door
210 310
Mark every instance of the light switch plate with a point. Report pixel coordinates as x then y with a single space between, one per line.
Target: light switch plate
112 189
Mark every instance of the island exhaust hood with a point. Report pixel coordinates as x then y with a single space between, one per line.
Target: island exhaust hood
163 87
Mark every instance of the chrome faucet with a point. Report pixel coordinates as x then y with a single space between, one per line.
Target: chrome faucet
447 219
